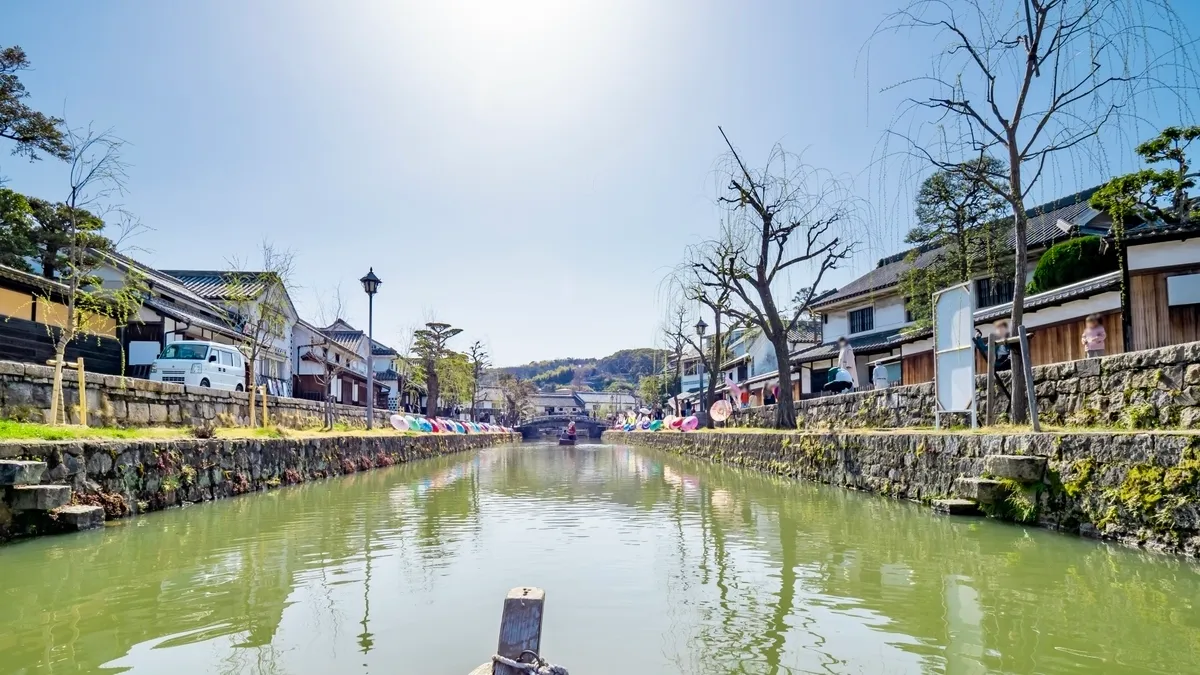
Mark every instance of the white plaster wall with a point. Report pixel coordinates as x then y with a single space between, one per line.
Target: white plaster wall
762 356
889 314
1164 254
837 326
1097 304
917 347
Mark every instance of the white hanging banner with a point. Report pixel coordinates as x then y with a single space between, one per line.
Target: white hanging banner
954 352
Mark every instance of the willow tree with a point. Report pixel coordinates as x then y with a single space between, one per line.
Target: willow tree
84 306
1029 82
785 218
674 332
517 395
707 279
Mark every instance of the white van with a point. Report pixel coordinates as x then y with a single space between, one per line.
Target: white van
200 364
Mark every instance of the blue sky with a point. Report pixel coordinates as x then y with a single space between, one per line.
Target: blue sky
527 170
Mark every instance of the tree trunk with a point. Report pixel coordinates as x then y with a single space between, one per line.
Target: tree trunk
431 400
250 392
785 406
57 400
1019 405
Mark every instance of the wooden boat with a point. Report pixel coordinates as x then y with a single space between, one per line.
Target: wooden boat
520 636
566 439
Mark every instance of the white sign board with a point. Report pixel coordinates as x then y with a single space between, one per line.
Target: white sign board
954 352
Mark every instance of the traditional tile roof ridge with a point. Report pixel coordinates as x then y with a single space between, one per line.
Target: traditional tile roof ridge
215 284
31 279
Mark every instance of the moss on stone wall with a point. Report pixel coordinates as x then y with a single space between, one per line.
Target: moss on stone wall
1139 489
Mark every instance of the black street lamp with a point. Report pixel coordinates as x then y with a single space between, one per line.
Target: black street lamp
370 284
700 328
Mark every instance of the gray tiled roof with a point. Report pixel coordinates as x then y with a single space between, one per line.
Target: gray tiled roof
1057 296
1042 229
191 318
218 285
861 344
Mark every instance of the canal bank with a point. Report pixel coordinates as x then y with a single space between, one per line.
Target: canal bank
1140 489
55 486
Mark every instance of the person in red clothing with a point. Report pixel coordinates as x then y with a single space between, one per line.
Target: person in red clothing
571 429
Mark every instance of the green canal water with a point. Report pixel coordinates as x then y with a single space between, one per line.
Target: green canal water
651 564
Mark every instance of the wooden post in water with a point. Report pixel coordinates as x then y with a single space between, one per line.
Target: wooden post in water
520 629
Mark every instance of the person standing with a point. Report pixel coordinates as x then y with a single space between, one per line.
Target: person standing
879 376
846 360
1093 337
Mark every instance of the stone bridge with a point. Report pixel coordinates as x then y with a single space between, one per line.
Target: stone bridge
584 426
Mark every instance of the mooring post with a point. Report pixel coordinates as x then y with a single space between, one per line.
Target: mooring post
1027 363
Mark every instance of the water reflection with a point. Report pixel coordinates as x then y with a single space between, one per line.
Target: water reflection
667 564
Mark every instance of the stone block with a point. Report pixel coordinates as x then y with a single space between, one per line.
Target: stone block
79 517
1023 468
39 497
11 368
99 463
139 414
20 472
955 507
18 394
34 372
158 413
981 490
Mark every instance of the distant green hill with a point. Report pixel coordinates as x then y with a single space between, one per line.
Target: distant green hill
623 369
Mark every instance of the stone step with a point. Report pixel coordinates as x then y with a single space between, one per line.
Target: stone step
80 517
955 507
981 490
21 472
39 497
1021 468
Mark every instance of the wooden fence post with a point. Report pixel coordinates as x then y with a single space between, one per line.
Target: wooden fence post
264 402
83 411
1027 362
990 418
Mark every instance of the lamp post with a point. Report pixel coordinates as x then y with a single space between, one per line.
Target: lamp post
370 284
700 328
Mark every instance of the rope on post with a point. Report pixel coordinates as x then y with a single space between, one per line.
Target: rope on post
538 666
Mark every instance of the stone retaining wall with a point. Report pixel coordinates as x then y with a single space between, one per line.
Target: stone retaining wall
129 402
1139 489
130 477
1154 388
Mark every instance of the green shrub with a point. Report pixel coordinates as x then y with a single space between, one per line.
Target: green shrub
1070 261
